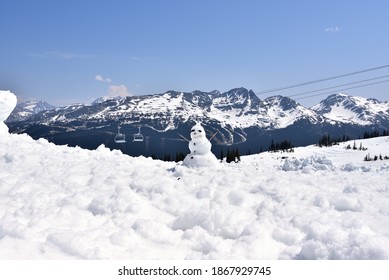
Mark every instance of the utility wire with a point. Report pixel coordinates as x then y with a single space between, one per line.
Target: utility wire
321 80
335 91
357 82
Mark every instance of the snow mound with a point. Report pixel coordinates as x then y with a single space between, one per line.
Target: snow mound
7 104
309 164
58 202
350 167
196 161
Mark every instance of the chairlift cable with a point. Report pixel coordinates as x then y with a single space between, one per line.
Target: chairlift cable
335 91
321 80
352 83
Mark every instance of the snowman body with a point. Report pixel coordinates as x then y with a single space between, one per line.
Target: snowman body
200 149
199 144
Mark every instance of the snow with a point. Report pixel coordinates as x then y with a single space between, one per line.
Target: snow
58 202
352 109
341 114
7 104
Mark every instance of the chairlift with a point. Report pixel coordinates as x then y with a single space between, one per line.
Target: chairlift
119 137
138 137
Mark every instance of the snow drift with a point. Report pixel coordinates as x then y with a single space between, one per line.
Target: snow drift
58 202
7 104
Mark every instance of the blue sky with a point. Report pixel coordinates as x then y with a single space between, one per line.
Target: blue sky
75 51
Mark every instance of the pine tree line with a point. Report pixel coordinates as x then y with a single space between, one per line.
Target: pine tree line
284 146
180 156
232 155
327 141
375 158
375 133
361 147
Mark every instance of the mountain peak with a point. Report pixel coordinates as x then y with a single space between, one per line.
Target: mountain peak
239 91
26 109
285 103
352 109
107 98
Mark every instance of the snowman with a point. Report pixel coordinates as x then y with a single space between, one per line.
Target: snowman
200 149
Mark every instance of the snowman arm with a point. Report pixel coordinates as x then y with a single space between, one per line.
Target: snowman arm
214 135
183 137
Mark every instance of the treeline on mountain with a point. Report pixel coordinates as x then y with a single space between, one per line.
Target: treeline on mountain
375 133
231 156
284 146
327 141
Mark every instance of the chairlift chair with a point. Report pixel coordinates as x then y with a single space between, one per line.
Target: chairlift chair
138 137
119 137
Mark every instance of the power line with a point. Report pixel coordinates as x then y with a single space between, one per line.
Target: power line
352 83
322 80
335 91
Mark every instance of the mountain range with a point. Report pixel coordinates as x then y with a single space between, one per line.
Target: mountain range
26 109
238 118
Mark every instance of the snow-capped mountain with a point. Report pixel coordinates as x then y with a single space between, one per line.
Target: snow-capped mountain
236 117
237 108
353 110
283 112
107 98
26 109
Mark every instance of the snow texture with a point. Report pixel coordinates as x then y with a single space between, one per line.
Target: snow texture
7 104
58 202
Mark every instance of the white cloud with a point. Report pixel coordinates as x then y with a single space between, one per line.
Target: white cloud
102 79
332 29
120 90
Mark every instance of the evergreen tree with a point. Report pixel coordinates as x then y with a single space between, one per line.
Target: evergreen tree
367 158
272 146
233 155
167 157
180 157
228 157
221 155
237 155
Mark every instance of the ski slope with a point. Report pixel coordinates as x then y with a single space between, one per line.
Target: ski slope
58 202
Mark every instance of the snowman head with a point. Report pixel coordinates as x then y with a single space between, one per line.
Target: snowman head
197 132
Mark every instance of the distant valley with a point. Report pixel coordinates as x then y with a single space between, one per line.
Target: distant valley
238 118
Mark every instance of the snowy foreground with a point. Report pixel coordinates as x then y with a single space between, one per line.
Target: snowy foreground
58 202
